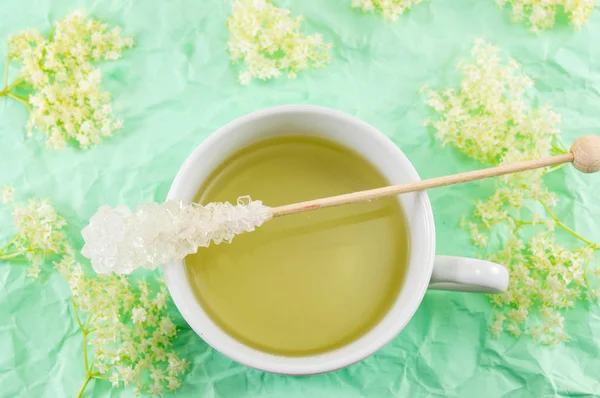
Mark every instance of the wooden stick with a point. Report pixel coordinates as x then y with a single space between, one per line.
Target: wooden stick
363 196
584 154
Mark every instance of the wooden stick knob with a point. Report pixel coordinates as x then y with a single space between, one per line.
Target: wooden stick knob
586 153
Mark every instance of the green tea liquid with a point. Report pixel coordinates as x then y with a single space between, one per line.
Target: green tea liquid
310 282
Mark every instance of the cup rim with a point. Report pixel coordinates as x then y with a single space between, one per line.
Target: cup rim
173 271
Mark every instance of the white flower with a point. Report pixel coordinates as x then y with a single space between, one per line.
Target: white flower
102 368
155 388
67 85
128 375
390 9
7 195
166 327
40 232
268 41
541 14
33 271
514 329
496 326
152 320
245 78
176 365
114 379
159 353
122 318
160 299
157 374
489 120
138 315
173 383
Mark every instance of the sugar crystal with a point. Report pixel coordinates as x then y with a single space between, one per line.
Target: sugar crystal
119 240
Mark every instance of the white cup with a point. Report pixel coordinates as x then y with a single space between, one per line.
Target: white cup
425 270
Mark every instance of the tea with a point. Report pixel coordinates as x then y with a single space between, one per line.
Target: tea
305 283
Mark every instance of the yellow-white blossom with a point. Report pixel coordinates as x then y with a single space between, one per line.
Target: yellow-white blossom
127 328
390 9
489 120
40 232
541 14
7 194
268 42
67 104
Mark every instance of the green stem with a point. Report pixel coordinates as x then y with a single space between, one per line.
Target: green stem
553 168
520 222
561 144
77 315
566 228
11 256
89 323
85 383
6 91
20 99
518 228
10 242
586 270
13 85
558 149
575 234
93 374
6 73
85 356
14 259
5 254
86 363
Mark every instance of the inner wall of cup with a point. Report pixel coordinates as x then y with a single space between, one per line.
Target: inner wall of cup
384 155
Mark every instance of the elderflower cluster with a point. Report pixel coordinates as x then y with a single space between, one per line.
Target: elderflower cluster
39 232
268 41
67 103
390 9
489 120
546 279
127 328
541 14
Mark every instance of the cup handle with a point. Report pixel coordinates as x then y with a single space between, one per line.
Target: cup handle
463 274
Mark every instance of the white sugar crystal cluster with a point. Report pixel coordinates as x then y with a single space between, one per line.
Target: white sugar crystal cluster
119 240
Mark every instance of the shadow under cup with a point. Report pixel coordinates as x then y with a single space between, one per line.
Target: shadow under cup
335 349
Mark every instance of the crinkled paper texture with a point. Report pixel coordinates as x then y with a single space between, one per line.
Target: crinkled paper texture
177 86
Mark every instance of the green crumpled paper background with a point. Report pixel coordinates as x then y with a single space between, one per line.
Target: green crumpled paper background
177 86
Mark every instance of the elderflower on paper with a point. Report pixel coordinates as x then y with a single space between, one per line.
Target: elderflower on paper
268 42
127 331
489 120
67 103
541 14
127 328
390 9
489 115
7 195
40 232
